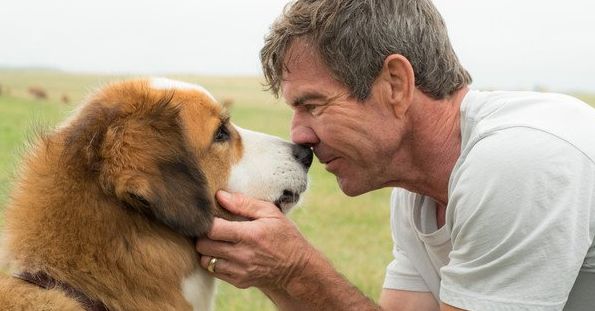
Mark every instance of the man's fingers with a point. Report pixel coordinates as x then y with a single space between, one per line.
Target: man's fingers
215 248
225 230
220 266
246 206
223 269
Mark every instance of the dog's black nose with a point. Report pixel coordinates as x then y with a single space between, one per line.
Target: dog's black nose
303 154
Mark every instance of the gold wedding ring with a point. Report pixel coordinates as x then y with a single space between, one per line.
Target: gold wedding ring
211 265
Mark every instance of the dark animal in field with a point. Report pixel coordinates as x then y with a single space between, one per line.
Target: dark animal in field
38 92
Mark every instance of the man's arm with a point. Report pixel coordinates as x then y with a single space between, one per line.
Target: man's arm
319 287
269 253
336 293
390 300
402 300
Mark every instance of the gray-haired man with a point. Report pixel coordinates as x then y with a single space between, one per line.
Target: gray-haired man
494 199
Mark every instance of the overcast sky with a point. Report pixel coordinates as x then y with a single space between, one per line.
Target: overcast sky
514 44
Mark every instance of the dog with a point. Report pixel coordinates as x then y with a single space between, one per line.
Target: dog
107 206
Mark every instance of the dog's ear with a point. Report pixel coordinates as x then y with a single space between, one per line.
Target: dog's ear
157 174
140 156
176 196
83 139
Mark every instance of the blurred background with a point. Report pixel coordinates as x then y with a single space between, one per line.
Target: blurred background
52 53
504 44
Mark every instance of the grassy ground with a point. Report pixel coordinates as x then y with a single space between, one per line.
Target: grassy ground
352 232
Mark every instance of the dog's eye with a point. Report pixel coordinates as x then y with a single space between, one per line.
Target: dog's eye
222 134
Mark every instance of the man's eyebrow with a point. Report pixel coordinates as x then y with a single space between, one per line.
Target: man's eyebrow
306 97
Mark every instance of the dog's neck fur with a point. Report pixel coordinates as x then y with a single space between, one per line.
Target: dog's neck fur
106 251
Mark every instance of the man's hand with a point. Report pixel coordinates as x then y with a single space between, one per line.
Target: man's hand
266 251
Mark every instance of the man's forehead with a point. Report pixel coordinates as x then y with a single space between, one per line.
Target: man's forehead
306 76
301 53
303 70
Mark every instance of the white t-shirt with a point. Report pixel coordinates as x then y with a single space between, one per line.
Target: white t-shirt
520 219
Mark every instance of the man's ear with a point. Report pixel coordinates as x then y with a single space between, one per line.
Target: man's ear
398 73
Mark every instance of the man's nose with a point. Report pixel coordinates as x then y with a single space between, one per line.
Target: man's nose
301 133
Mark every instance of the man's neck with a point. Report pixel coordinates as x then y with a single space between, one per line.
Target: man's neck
434 145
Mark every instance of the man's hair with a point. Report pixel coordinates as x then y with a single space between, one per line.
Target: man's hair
354 37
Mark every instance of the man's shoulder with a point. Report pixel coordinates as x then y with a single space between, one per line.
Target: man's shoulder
562 117
518 168
515 154
483 104
497 109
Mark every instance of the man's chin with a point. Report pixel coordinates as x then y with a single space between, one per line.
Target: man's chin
351 189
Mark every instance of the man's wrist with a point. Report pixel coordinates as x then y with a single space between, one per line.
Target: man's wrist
306 274
314 284
302 282
301 275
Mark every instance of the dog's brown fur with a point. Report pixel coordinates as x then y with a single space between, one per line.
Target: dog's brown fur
111 201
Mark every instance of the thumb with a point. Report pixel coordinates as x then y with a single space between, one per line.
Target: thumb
242 205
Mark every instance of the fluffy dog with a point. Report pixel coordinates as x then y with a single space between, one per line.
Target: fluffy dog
107 206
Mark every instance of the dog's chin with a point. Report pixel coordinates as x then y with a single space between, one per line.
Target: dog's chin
285 208
287 201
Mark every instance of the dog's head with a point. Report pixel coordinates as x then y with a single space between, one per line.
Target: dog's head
163 148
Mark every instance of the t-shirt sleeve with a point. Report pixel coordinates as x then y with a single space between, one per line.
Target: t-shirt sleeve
520 217
401 273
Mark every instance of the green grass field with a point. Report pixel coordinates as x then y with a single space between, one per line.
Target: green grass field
353 232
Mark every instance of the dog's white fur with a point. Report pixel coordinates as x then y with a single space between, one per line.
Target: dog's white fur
267 168
199 290
169 84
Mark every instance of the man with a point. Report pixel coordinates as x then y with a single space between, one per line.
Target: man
494 199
